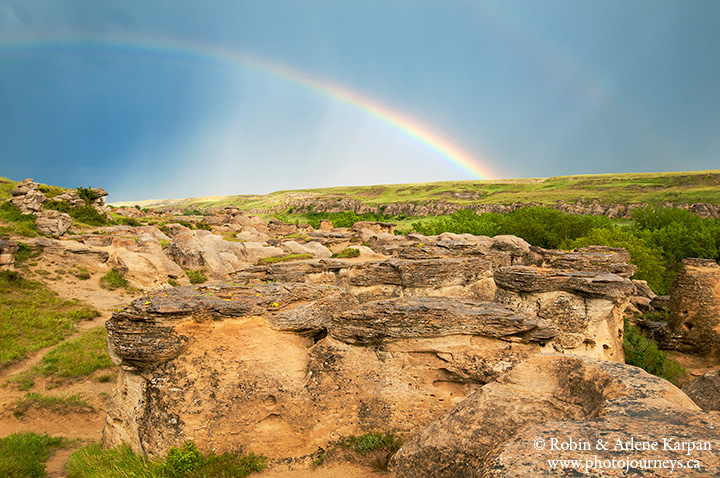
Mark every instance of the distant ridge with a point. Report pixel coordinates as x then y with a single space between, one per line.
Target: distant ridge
688 187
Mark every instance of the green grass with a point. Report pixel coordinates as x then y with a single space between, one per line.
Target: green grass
651 188
22 455
33 317
185 462
197 276
74 358
16 223
53 403
289 257
644 353
113 279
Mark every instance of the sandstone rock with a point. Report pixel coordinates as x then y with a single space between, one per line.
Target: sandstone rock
705 391
150 269
325 225
72 253
27 197
228 364
254 251
384 321
376 227
8 249
695 306
315 249
251 235
586 306
193 249
513 426
53 223
612 260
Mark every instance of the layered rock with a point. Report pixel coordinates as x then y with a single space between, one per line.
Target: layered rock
586 306
286 368
695 307
53 223
705 391
7 254
27 197
560 407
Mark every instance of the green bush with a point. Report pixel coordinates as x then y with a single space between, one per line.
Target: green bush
644 353
22 455
85 214
347 253
184 461
197 276
113 279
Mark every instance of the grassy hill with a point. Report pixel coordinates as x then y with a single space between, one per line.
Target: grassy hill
651 188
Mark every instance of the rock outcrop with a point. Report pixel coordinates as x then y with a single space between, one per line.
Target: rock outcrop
27 197
8 249
287 367
603 414
53 223
695 307
705 391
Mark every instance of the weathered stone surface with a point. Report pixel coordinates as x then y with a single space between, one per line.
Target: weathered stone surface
53 223
612 260
150 269
586 306
27 197
315 249
470 277
254 364
695 307
507 427
383 321
8 249
705 391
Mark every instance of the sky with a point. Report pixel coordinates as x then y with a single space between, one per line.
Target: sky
155 99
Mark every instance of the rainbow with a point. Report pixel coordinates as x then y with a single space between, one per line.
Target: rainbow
419 132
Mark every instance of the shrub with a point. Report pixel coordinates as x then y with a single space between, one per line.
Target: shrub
183 461
644 353
85 214
197 276
347 253
22 455
113 279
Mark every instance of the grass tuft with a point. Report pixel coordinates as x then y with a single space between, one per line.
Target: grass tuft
22 455
57 404
197 276
114 279
185 462
289 257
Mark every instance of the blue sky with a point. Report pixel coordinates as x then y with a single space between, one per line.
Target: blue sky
160 98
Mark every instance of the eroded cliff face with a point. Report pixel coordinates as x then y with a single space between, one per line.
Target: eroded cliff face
335 347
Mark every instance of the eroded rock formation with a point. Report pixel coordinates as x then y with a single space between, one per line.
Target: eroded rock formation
516 425
286 368
695 307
